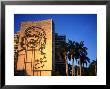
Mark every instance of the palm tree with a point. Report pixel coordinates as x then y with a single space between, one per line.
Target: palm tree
83 56
77 53
84 60
71 52
93 68
63 53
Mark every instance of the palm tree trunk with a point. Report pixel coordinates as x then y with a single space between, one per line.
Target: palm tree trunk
82 69
80 66
73 70
77 71
66 66
66 69
95 70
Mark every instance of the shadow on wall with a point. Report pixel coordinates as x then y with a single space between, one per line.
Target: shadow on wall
20 73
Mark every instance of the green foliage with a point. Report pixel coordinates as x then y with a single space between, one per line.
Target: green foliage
78 51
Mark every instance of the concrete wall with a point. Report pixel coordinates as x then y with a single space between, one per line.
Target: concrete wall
32 59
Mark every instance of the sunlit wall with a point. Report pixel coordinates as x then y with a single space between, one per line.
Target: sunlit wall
35 48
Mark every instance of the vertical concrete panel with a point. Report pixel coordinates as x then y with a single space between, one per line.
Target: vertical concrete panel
40 38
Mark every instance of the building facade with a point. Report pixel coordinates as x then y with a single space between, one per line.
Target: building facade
33 48
60 63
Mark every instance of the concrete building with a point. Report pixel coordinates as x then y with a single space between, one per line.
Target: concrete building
60 64
34 47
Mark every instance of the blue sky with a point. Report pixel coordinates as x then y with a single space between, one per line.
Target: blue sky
77 27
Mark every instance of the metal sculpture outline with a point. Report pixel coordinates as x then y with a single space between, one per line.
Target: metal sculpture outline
35 39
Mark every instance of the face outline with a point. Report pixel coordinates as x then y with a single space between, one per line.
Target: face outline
35 39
